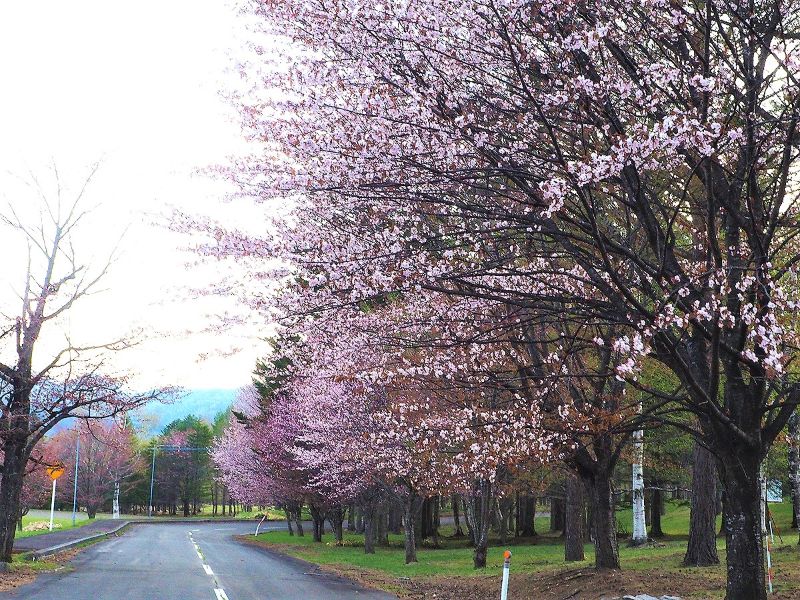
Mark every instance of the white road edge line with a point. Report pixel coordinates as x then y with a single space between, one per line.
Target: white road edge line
208 570
220 594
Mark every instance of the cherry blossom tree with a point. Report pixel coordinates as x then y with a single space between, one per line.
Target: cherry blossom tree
106 458
645 152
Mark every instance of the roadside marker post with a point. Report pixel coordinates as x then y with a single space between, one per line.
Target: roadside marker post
506 565
260 522
54 472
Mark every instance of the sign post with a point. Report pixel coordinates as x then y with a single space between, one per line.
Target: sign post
54 472
506 565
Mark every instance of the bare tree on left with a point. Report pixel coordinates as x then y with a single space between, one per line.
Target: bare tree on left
42 384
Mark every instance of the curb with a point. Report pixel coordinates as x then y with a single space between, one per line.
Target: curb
45 552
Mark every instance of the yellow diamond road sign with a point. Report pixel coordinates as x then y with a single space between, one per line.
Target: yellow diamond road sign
55 472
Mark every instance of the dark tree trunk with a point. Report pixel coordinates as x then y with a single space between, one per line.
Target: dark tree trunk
336 518
469 519
482 508
743 539
573 520
10 491
701 550
91 511
529 521
456 517
656 510
606 550
794 465
426 518
397 520
360 521
381 529
411 509
288 514
185 508
435 521
298 521
318 520
368 522
505 506
351 518
556 514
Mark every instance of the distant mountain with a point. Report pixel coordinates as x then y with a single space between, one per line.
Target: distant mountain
205 404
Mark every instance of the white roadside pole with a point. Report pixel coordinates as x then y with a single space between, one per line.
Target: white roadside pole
54 472
506 565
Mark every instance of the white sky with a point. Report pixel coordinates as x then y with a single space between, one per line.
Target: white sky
136 85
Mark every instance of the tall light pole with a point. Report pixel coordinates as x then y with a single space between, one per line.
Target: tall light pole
152 474
153 466
75 482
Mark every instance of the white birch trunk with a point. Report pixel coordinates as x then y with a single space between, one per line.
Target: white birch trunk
639 535
116 500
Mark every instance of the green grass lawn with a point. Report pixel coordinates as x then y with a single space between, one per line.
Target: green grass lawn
544 554
64 524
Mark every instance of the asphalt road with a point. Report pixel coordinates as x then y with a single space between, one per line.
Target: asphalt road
187 561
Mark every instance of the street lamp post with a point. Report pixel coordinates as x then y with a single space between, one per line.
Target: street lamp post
152 474
153 466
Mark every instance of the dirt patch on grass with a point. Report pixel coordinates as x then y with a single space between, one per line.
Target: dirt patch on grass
19 575
577 584
24 572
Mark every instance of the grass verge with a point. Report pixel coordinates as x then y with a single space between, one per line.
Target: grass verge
538 568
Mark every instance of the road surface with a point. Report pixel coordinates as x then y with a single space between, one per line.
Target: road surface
188 561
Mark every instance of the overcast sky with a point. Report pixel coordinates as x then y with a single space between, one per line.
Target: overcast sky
136 85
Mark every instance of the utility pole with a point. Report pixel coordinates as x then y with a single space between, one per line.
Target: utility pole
153 466
152 474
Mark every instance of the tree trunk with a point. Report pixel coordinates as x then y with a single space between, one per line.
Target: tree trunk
318 520
336 518
185 508
456 517
288 514
351 518
556 514
411 507
794 465
91 511
606 551
656 508
10 491
702 548
360 521
481 507
744 542
573 520
505 506
528 514
368 522
298 521
435 521
397 528
381 529
639 532
469 519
